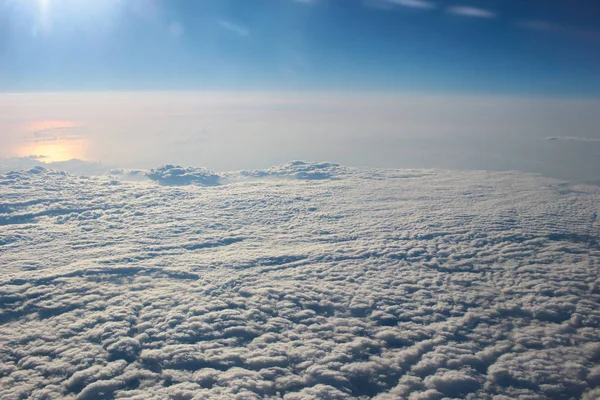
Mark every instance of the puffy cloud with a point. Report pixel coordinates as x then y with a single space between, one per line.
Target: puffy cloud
454 383
364 283
300 170
176 175
127 174
75 166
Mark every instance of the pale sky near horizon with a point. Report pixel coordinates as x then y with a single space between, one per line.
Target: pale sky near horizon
239 130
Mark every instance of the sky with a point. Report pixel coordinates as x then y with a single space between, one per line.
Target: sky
299 200
235 130
508 46
231 84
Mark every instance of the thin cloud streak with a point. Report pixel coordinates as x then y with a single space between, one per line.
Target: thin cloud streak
473 12
551 27
235 28
537 25
422 4
573 139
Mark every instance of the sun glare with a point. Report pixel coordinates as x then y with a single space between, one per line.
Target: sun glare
52 141
44 5
61 150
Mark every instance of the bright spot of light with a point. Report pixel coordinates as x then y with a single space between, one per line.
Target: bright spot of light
44 10
53 140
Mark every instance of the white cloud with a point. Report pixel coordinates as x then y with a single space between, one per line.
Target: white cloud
74 166
573 139
474 12
299 170
176 175
538 25
388 4
548 26
235 28
341 283
422 4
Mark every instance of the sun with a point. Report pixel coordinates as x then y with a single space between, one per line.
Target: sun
53 152
44 11
53 141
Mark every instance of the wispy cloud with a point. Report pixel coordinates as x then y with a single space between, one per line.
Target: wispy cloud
53 130
422 4
389 4
235 28
473 12
537 25
54 134
548 26
573 139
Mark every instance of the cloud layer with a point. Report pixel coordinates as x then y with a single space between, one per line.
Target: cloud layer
364 283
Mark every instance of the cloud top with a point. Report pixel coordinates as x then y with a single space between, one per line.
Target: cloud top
300 170
176 175
368 284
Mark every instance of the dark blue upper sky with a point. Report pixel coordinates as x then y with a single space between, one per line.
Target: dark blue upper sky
541 47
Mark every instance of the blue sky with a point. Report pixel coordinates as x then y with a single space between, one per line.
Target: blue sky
539 47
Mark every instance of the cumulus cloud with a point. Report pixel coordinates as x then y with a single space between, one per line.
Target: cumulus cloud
176 175
473 12
363 283
74 166
300 170
127 174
